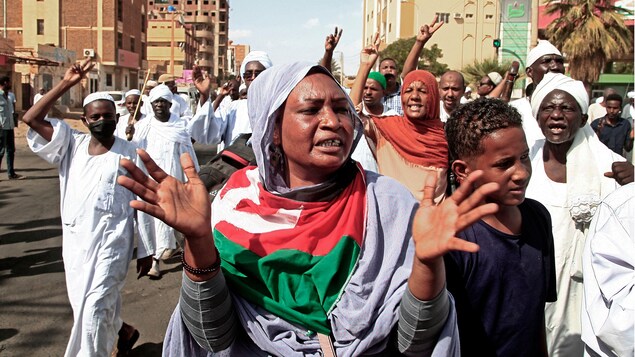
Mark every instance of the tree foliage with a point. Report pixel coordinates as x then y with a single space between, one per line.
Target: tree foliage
399 50
478 69
589 33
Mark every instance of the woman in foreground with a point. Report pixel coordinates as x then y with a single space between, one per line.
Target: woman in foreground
316 255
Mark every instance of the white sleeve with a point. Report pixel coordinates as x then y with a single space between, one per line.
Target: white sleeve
206 126
145 242
609 279
52 151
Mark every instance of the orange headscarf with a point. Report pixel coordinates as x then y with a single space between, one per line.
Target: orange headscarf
421 142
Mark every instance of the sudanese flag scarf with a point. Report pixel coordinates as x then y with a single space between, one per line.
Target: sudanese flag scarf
421 142
292 258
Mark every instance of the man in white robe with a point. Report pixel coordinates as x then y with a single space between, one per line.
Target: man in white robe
131 100
165 137
608 263
97 220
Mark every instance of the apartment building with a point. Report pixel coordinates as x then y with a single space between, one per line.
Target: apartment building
172 47
112 32
209 21
467 35
235 55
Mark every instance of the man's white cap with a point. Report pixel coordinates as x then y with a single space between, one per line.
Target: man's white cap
630 95
97 96
543 48
132 92
161 91
495 77
468 89
152 83
258 56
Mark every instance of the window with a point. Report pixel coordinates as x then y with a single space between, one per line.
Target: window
443 16
125 81
222 16
119 40
108 79
132 49
40 26
143 23
489 17
120 10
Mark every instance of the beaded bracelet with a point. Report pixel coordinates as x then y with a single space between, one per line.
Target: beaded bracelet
198 271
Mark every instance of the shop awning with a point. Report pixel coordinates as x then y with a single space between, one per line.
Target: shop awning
18 58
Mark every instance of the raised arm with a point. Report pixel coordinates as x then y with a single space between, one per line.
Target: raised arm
202 82
425 33
367 60
34 117
425 306
329 46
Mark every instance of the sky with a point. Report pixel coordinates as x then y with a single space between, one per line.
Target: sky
295 30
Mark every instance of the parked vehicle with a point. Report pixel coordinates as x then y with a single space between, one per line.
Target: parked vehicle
120 101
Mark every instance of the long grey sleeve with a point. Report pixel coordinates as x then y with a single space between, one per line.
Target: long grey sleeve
207 311
420 323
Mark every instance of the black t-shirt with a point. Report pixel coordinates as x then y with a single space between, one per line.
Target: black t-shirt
500 291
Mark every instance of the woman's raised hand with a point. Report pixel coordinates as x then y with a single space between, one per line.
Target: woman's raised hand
435 227
183 206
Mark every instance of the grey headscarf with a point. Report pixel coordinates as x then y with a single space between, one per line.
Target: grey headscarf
267 94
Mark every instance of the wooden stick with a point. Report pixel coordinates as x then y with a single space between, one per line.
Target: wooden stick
131 120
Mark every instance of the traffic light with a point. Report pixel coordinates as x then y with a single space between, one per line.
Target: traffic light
497 42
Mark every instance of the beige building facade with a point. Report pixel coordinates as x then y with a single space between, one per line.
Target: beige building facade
470 26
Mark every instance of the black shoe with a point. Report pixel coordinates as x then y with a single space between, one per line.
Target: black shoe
16 177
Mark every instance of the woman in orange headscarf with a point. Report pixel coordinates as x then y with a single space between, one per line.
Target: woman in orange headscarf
412 146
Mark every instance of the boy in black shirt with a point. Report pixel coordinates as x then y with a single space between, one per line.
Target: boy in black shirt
612 130
500 291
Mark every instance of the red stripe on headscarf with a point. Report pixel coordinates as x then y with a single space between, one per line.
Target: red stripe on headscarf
421 142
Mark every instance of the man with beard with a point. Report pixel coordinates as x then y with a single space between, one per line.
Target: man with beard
544 58
97 220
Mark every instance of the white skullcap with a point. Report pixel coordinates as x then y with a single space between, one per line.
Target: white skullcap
132 92
152 83
599 100
468 89
630 95
543 48
161 91
495 77
97 96
242 86
258 56
553 81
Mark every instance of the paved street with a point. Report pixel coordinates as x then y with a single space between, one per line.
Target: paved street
35 316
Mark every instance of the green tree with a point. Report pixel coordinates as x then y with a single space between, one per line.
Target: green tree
478 69
399 50
336 70
590 33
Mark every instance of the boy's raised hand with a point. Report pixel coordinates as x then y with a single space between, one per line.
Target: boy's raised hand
426 31
332 40
78 70
435 227
183 206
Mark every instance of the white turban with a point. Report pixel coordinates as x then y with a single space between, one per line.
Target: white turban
132 92
543 48
152 83
553 81
495 77
97 96
258 56
161 91
630 95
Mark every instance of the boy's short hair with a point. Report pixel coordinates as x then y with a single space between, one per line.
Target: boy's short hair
614 96
4 80
473 121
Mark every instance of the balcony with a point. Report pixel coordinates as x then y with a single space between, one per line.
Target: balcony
205 63
204 34
206 49
200 19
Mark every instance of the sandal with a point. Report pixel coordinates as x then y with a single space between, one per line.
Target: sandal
125 346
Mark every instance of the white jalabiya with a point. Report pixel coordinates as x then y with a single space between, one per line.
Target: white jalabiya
98 228
587 161
165 142
608 265
221 127
181 108
530 124
122 125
